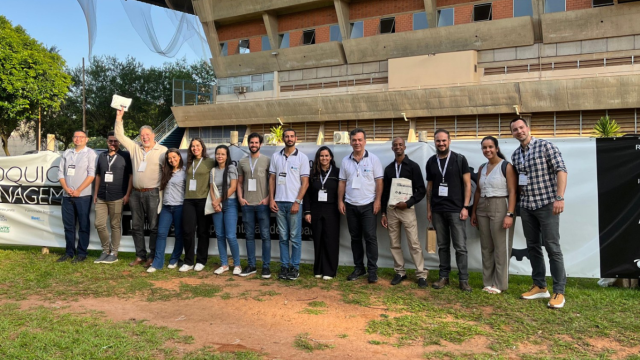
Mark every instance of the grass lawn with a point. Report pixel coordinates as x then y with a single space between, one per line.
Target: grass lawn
410 316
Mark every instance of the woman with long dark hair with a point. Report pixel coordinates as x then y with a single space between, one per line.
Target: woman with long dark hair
494 215
195 221
321 210
224 179
172 187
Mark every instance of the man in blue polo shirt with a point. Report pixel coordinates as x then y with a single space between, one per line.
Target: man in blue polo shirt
359 194
288 181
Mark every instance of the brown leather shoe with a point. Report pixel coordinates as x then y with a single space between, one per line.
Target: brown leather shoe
137 261
440 283
148 263
464 286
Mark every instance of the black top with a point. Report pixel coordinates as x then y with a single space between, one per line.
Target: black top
121 169
409 170
453 177
315 185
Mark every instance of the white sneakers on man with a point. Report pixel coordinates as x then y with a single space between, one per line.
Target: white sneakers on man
151 269
185 268
221 269
198 267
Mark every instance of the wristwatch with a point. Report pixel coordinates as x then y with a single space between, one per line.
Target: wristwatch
510 214
559 198
299 201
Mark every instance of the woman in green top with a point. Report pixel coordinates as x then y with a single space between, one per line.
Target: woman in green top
199 164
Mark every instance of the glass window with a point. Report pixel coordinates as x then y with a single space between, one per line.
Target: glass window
257 86
222 81
309 37
482 12
420 21
357 30
522 8
266 45
267 76
268 85
284 41
246 80
445 17
224 49
243 47
388 25
255 78
598 3
335 33
551 6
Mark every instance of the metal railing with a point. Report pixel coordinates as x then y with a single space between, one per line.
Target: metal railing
164 129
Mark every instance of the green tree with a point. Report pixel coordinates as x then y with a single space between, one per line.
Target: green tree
31 77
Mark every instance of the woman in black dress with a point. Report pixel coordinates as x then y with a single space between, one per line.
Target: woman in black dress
321 210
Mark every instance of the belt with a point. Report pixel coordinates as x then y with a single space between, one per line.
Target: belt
144 189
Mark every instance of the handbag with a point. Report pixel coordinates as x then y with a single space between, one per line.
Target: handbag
208 207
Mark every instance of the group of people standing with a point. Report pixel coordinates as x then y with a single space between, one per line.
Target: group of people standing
161 189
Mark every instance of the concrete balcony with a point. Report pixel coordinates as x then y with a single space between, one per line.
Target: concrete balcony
238 10
475 36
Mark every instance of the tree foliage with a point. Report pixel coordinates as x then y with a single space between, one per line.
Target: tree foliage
31 77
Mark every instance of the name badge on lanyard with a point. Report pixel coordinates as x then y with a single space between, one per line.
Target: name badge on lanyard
253 185
71 170
357 181
522 180
143 166
522 177
193 183
282 178
443 189
322 194
108 177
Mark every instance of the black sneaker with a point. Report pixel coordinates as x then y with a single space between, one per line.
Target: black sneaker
293 273
110 259
248 270
283 273
266 272
357 273
101 258
398 279
79 258
422 283
373 278
64 258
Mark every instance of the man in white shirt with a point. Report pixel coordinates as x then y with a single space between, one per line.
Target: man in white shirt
359 194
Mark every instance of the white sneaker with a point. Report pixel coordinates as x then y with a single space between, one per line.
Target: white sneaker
172 266
327 278
237 270
185 268
151 269
198 267
317 276
221 269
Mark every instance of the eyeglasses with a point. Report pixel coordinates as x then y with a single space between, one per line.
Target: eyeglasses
112 141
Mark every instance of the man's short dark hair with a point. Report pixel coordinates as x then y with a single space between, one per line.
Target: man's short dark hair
441 131
518 119
111 133
256 135
353 132
289 129
82 131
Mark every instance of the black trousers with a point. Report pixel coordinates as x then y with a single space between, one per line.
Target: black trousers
194 221
325 225
362 223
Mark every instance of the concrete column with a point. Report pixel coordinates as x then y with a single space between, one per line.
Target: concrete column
320 139
271 23
214 45
538 11
342 10
432 13
245 141
412 132
51 142
233 138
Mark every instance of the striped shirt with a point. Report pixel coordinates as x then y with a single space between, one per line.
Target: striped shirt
540 161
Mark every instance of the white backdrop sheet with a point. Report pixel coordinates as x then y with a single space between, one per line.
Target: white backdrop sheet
29 214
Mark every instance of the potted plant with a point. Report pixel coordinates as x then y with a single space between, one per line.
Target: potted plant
606 127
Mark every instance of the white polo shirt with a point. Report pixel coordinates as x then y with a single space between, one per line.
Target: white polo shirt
288 170
369 169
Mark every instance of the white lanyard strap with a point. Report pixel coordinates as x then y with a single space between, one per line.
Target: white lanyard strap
445 166
112 160
253 165
524 159
326 177
398 169
194 168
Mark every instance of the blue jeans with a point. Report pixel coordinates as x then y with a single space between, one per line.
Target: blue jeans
290 228
170 214
249 215
76 209
225 223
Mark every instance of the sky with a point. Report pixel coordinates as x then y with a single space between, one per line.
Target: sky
62 23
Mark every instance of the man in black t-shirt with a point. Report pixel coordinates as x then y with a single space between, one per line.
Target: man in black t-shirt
448 196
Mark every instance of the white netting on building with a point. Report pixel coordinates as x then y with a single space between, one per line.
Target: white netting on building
89 9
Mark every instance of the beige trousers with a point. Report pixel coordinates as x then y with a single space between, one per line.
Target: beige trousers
407 218
112 210
496 242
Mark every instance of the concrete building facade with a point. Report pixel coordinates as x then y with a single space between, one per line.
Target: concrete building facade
399 67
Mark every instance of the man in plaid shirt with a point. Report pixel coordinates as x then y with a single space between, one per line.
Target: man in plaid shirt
542 178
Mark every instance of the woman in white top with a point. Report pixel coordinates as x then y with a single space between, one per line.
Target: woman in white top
493 213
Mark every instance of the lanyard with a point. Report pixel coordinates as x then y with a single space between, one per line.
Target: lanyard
326 177
253 165
398 169
286 162
524 159
445 166
357 163
194 168
112 160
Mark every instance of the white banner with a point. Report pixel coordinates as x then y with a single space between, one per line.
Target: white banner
30 212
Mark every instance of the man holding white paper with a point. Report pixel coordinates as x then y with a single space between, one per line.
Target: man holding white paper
403 188
147 159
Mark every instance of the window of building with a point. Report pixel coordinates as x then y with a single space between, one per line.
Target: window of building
357 29
284 41
598 3
482 12
243 47
266 45
420 21
388 25
551 6
252 83
626 1
445 17
224 49
309 37
522 8
334 33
